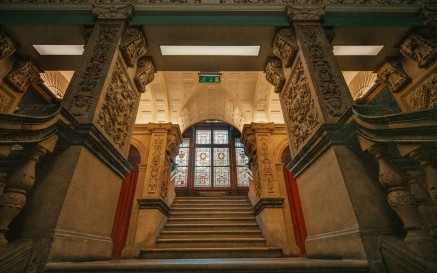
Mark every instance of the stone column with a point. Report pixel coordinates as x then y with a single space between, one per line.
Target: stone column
163 140
268 202
335 187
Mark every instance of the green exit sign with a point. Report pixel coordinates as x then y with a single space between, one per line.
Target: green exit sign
209 78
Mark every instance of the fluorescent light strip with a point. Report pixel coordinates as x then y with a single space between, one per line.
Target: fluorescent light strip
172 50
59 49
368 50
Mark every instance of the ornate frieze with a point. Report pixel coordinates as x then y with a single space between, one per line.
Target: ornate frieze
265 160
23 74
285 46
145 73
274 73
424 96
93 73
393 75
155 162
7 46
111 10
118 107
299 108
133 46
324 73
297 13
419 49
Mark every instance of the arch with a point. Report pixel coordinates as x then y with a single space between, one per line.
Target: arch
140 147
279 150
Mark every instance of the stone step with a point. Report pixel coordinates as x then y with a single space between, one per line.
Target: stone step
210 209
210 214
210 243
211 206
195 253
211 220
173 234
212 227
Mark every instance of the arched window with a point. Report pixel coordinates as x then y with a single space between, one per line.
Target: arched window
211 159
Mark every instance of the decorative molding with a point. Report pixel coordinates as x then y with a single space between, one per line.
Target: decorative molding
157 203
112 11
268 203
274 73
285 46
159 127
393 75
297 13
118 107
419 50
316 43
93 72
155 162
133 46
299 107
263 127
7 45
145 73
266 159
23 74
423 96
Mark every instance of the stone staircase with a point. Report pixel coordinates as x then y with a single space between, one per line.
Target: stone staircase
211 227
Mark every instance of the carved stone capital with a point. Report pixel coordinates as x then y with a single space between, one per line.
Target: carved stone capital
304 13
419 50
262 127
274 73
113 11
23 74
159 127
7 46
285 46
393 75
145 73
133 46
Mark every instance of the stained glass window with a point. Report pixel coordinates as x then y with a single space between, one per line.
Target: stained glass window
202 177
222 177
203 157
221 156
242 160
182 161
241 157
221 137
238 143
242 176
203 137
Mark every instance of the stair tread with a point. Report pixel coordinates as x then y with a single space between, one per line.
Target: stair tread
210 239
195 249
208 231
213 224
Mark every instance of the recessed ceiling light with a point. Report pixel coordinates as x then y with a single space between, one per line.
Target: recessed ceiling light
173 50
367 50
59 49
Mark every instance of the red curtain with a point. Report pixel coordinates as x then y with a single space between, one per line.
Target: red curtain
300 232
123 213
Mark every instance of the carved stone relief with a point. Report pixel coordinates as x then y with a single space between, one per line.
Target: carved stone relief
326 80
165 179
145 73
5 101
87 88
393 75
112 11
133 46
299 107
23 74
118 107
7 46
285 46
274 73
263 126
419 49
305 12
424 96
266 162
155 164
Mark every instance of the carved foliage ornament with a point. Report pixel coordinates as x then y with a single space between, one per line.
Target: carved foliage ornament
324 72
5 102
393 75
263 126
113 11
299 107
274 73
165 180
296 13
419 49
155 165
118 107
24 74
265 160
92 74
7 46
285 46
145 73
133 46
424 96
